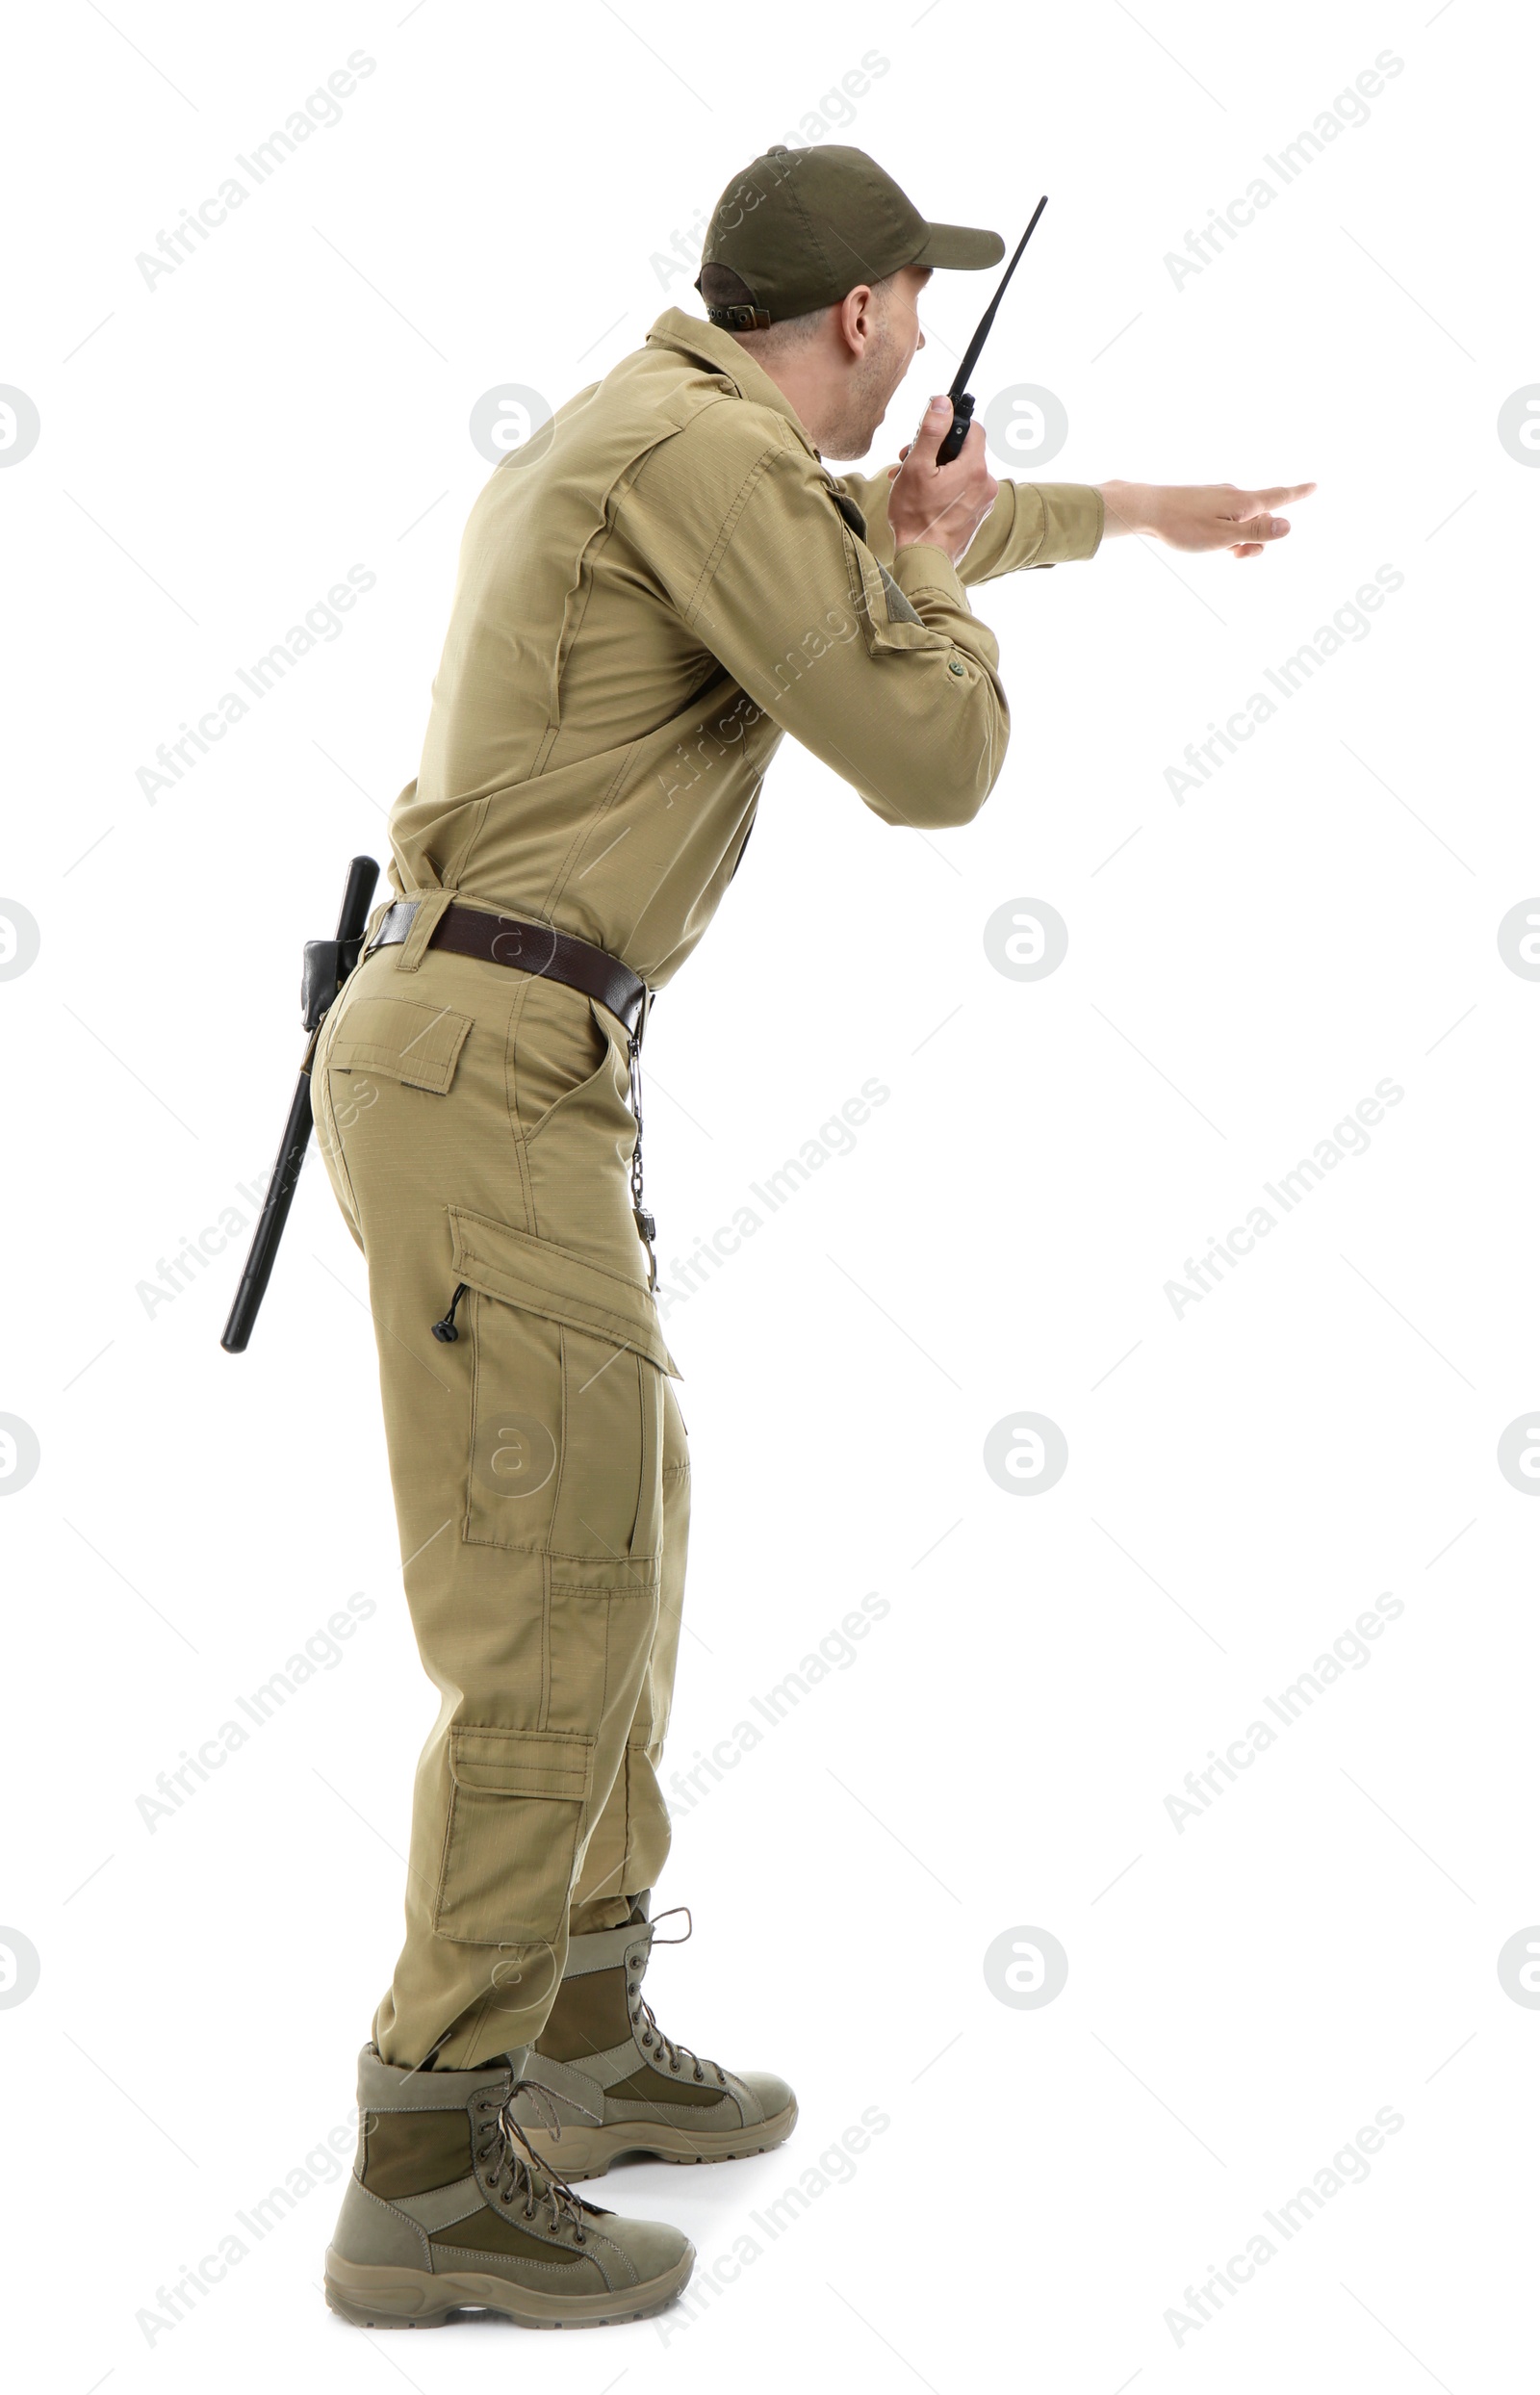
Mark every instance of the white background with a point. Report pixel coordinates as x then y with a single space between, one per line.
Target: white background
1245 1477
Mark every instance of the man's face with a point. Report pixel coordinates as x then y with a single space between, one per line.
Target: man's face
883 365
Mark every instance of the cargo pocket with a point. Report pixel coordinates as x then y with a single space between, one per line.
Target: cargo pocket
568 1364
516 1807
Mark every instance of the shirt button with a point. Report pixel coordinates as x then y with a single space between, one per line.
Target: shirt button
954 665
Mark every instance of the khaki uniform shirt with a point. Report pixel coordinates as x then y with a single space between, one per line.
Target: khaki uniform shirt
652 590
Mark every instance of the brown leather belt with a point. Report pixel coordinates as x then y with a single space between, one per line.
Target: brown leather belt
528 949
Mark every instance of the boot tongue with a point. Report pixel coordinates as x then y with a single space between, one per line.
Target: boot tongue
544 2177
639 1905
544 2192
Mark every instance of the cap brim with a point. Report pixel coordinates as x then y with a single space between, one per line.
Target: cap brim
960 246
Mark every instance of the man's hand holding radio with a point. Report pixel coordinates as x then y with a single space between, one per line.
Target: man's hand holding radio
942 506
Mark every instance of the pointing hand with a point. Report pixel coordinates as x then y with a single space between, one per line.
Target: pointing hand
1201 515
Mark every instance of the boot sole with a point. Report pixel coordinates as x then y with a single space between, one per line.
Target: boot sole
371 2297
584 2152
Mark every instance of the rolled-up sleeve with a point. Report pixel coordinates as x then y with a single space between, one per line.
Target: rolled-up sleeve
880 669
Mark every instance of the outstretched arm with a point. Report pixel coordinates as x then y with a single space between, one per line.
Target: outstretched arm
1041 523
1201 515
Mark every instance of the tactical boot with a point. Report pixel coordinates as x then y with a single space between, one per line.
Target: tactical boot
620 2086
450 2207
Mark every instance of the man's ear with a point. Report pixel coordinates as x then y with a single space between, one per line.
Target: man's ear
857 318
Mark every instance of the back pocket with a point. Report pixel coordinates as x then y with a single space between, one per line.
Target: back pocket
401 1039
568 1364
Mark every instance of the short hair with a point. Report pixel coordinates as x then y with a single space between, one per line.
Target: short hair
721 287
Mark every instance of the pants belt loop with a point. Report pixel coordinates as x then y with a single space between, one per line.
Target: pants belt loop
429 907
372 928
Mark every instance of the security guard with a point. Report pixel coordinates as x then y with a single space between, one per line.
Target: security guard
652 590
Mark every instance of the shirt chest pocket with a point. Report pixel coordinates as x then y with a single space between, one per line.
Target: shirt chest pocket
567 1363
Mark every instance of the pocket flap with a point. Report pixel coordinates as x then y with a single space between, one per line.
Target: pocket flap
543 1279
407 1042
522 1763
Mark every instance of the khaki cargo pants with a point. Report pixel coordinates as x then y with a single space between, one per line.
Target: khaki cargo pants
476 1127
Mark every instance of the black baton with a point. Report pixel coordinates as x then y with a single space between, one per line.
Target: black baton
962 399
327 965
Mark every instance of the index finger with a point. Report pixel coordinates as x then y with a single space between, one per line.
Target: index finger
1250 504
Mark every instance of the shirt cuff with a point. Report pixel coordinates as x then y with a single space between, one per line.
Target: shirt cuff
922 567
1058 523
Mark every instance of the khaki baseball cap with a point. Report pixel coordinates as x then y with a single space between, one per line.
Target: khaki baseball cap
801 227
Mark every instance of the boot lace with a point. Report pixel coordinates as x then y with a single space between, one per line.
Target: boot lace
644 2021
511 2167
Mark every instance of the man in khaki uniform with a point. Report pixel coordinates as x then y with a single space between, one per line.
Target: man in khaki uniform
655 588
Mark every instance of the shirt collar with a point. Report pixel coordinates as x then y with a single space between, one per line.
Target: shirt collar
716 348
